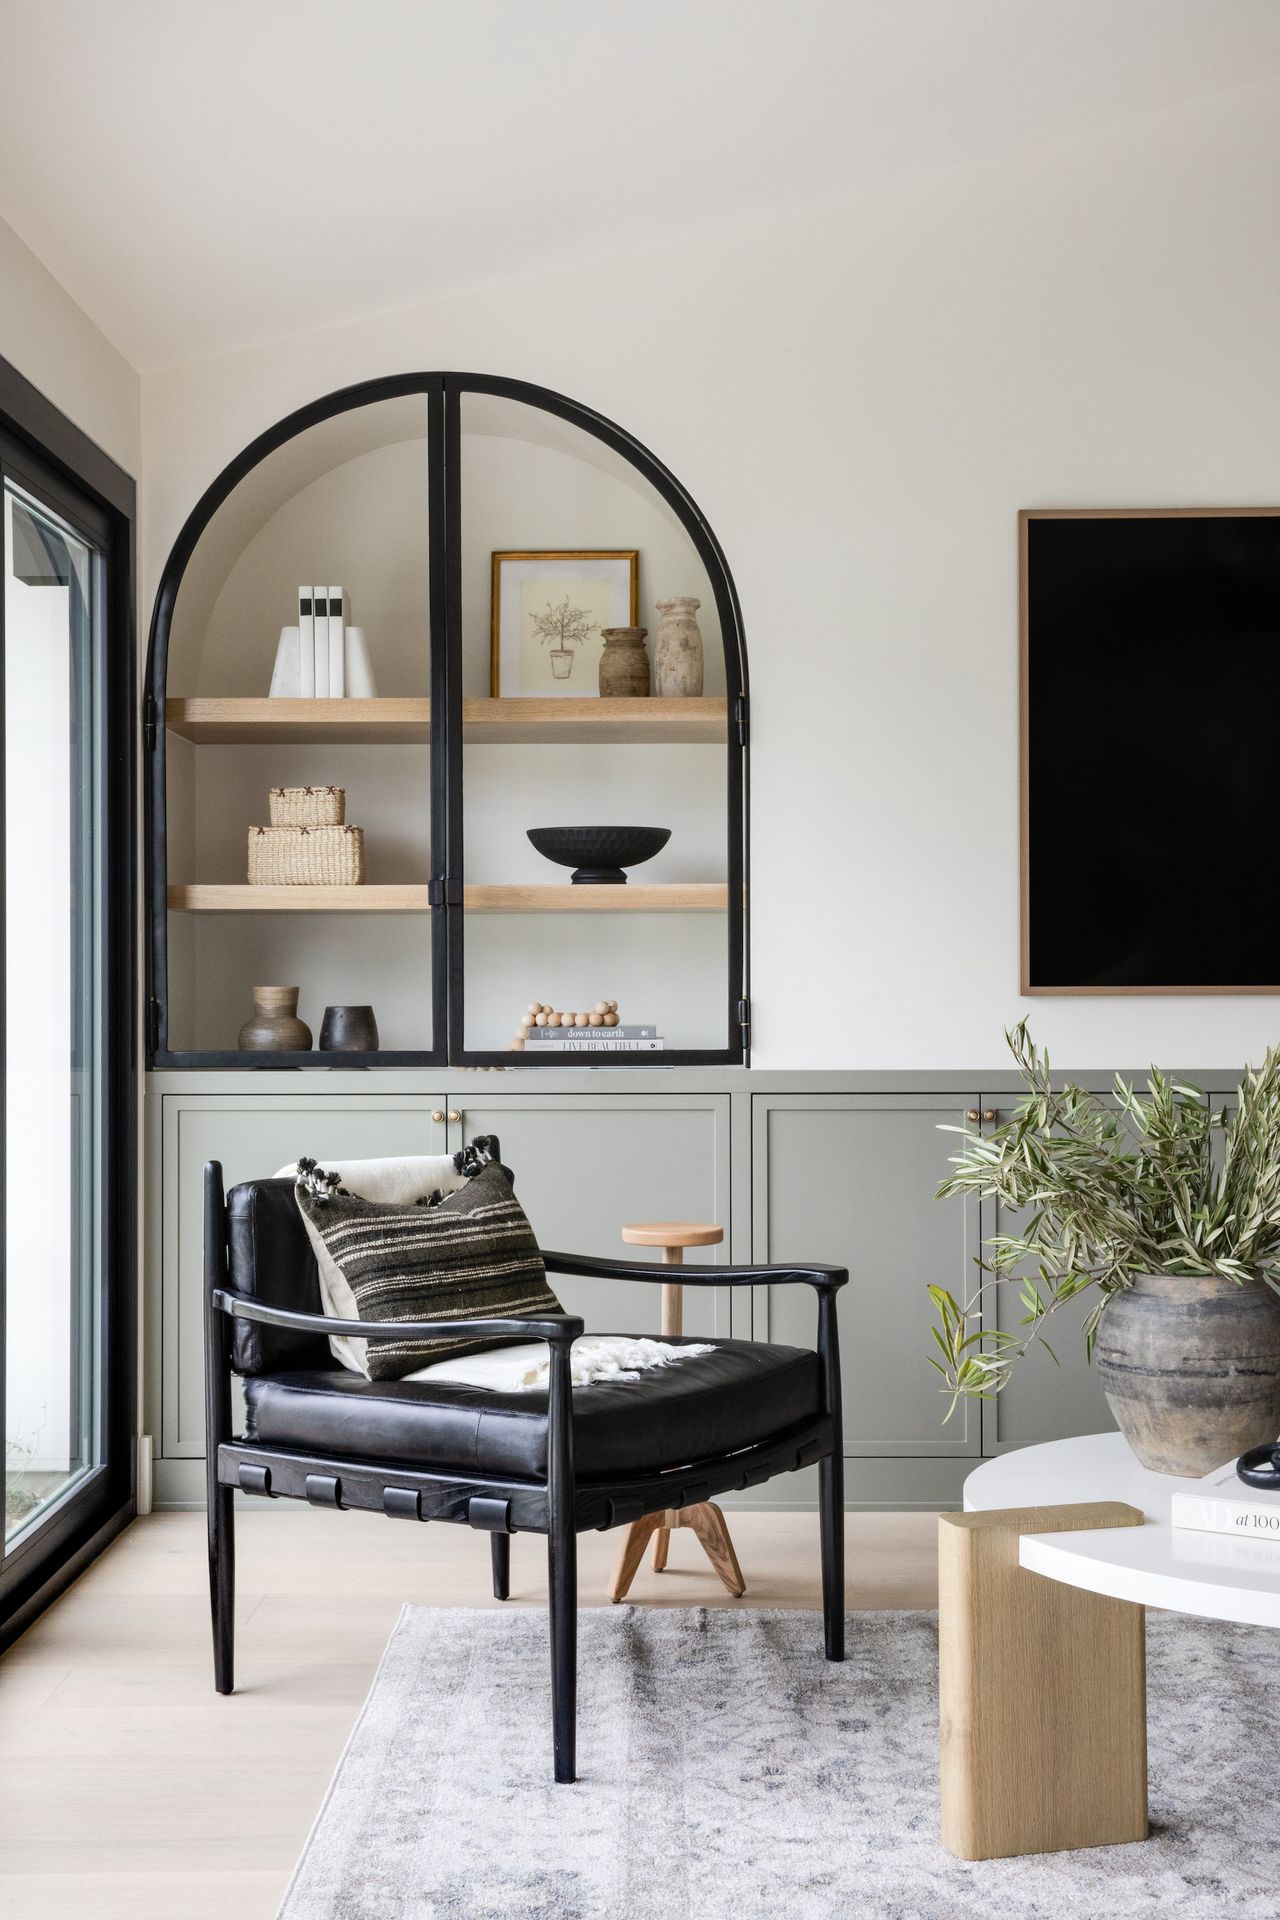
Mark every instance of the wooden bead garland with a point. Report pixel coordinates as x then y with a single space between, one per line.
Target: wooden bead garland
537 1014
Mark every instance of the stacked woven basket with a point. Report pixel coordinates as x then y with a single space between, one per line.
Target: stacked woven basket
308 843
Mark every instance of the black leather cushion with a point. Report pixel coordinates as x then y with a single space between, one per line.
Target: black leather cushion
269 1258
696 1409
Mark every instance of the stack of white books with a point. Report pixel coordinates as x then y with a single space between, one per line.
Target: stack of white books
1220 1502
594 1040
323 657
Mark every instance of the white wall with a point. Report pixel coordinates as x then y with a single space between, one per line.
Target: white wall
861 397
56 346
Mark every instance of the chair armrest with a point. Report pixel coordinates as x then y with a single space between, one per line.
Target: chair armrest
557 1329
822 1278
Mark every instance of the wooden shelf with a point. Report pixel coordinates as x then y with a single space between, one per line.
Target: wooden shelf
302 722
215 898
404 722
537 721
520 899
632 898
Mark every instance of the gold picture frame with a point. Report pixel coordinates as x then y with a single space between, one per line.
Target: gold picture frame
554 653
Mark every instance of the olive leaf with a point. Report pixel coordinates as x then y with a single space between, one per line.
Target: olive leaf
1158 1182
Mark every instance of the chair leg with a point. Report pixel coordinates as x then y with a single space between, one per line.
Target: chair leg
500 1545
562 1570
831 1512
222 1585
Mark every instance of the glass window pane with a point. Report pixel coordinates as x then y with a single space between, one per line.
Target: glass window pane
550 517
51 1331
345 502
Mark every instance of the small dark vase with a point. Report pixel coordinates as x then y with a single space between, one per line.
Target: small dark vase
348 1030
274 1026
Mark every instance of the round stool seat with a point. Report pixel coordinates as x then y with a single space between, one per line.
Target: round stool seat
673 1233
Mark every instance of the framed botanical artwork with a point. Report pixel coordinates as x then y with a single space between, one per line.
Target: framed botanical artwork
548 614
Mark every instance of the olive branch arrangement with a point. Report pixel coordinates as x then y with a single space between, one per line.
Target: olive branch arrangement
1155 1183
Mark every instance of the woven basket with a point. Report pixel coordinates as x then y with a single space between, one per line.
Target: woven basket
308 806
306 856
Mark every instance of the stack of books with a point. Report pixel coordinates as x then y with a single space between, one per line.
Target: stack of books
1220 1502
323 657
594 1040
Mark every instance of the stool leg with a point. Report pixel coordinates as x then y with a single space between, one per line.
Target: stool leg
661 1542
634 1542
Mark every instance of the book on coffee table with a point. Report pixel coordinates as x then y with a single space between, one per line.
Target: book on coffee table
1220 1502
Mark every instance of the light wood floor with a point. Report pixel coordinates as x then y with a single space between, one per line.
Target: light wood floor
129 1790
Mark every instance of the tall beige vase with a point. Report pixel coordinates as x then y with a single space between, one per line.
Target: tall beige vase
677 650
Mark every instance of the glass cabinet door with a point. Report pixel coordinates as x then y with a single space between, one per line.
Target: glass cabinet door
300 657
581 710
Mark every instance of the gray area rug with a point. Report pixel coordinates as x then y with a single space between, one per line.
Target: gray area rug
727 1770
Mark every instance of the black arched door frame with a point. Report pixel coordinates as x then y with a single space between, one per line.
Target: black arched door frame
443 393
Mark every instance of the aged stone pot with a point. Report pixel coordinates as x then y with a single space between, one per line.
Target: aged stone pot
1191 1369
274 1026
624 664
677 650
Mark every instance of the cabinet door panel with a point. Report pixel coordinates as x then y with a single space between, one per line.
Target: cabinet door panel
850 1179
584 1166
251 1136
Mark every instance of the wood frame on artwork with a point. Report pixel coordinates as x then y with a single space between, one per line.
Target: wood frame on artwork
630 554
1025 984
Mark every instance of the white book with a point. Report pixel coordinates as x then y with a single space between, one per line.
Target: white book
359 667
285 677
1220 1502
337 665
320 640
306 644
556 1036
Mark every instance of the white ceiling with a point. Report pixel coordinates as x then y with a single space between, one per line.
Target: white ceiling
201 174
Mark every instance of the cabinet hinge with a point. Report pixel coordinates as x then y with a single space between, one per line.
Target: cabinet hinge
444 891
740 718
153 1025
149 721
744 1017
435 890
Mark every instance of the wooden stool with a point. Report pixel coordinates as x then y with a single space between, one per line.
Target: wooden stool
706 1519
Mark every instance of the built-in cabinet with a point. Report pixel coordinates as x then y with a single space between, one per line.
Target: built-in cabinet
833 1167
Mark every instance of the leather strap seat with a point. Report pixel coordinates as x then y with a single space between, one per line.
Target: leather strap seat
701 1408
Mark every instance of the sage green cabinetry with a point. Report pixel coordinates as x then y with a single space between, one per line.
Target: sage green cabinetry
585 1164
848 1178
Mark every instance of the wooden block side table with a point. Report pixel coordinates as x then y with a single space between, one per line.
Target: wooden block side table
706 1520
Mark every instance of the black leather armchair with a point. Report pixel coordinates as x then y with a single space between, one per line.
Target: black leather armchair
503 1463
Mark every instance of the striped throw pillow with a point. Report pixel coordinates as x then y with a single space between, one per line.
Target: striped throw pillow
465 1255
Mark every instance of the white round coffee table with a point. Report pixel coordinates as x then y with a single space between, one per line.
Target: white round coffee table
1156 1564
1043 1582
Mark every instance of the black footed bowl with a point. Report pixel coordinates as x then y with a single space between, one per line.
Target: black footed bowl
599 853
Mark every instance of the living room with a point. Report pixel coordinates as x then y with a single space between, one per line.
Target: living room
831 1227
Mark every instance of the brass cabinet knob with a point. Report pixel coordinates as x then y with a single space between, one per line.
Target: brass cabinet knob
438 1116
991 1114
454 1115
973 1114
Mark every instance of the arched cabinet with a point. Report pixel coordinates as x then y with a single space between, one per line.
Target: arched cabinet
404 490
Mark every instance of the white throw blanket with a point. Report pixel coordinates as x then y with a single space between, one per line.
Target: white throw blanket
521 1369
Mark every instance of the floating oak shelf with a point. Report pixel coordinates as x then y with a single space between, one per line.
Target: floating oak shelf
688 898
405 722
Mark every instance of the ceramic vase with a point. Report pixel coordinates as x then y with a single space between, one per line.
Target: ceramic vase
274 1026
624 664
1191 1369
349 1030
677 652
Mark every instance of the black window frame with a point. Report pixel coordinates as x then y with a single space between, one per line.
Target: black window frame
444 393
51 458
